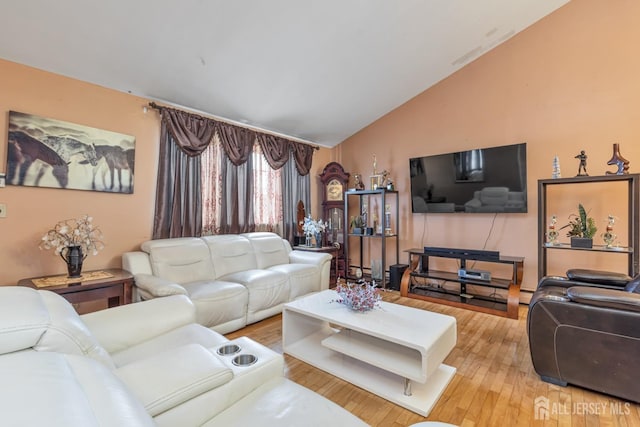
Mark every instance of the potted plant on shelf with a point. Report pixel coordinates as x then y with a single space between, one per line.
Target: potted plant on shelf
582 228
357 224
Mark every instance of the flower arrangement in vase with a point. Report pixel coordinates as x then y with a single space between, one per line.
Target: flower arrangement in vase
358 296
73 240
312 228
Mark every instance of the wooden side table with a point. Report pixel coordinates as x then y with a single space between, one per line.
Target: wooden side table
116 289
331 250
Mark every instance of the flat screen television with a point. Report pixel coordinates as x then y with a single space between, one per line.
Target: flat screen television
483 180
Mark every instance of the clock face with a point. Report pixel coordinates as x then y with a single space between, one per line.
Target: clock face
334 190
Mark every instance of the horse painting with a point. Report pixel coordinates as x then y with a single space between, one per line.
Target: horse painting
70 149
116 160
47 152
29 160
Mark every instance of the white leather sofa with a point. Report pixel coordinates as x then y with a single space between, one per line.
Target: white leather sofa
233 279
143 364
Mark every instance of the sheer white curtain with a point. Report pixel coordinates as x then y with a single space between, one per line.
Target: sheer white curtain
267 195
211 180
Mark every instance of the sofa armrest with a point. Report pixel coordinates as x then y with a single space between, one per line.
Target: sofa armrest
122 327
173 377
157 286
607 298
136 262
306 257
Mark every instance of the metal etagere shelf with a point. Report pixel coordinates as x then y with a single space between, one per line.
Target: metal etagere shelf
633 215
386 197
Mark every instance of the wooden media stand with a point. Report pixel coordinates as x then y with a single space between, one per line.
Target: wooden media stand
421 282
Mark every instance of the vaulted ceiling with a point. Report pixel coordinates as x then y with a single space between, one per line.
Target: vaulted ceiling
318 71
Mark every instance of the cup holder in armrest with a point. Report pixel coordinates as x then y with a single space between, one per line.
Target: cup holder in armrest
244 360
228 349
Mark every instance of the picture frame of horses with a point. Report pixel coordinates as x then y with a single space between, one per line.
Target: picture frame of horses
44 152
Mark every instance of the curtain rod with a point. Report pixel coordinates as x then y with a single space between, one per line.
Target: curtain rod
155 106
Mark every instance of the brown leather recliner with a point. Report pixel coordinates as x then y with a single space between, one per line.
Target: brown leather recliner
585 330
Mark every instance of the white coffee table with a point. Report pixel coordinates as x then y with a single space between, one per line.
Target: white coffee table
393 351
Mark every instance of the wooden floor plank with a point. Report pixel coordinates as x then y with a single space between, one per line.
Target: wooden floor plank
495 384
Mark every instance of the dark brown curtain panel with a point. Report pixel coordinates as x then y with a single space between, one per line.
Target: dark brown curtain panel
183 137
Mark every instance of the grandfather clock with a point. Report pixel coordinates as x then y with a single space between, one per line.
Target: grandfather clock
334 183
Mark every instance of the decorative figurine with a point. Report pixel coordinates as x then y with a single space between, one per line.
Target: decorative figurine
608 235
387 220
583 164
390 186
618 160
556 168
552 233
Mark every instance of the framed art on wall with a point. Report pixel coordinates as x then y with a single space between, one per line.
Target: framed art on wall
45 152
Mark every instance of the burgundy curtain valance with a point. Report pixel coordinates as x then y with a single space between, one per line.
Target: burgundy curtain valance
274 149
303 155
236 142
193 134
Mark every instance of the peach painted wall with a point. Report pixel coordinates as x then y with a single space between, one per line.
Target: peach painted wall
567 83
126 220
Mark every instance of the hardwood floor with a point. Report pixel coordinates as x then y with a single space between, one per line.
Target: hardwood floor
495 384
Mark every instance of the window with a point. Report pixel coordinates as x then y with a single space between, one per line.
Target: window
267 214
267 200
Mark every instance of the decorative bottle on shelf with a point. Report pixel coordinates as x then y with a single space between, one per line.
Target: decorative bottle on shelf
555 174
608 236
387 219
552 233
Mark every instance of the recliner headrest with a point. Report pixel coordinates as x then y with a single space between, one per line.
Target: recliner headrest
24 318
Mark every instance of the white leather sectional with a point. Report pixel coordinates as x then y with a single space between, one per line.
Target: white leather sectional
233 279
142 364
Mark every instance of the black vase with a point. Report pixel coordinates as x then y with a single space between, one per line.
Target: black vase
74 257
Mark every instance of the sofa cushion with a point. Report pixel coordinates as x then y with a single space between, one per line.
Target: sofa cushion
174 376
303 278
285 404
188 334
218 301
230 253
181 260
23 319
269 249
57 390
267 288
67 333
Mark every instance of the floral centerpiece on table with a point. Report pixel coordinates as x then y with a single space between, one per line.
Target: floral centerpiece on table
74 232
358 296
313 228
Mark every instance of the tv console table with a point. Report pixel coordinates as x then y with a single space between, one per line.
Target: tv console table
419 271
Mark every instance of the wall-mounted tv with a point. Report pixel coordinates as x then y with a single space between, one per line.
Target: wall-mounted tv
482 180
